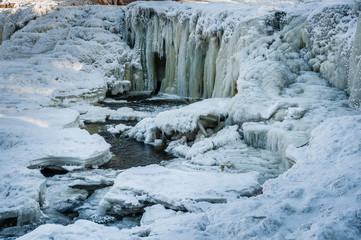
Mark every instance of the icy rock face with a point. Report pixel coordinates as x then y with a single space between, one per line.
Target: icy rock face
278 63
330 35
70 55
188 50
12 20
354 80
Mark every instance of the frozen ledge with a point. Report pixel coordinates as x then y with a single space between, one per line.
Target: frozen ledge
137 188
95 159
20 201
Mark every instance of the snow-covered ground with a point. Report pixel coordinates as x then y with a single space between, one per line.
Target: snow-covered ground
288 72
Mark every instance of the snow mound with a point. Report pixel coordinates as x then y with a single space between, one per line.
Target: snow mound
175 189
46 117
324 204
79 230
71 55
40 138
183 120
117 129
22 194
161 223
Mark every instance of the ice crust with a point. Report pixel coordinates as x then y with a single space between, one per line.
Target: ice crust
175 189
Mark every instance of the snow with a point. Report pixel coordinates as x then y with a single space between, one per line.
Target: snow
289 71
182 120
316 198
117 129
40 138
126 113
79 230
60 47
175 189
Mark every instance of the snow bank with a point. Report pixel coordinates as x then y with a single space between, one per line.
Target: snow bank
175 189
22 194
70 55
40 138
322 205
79 230
41 142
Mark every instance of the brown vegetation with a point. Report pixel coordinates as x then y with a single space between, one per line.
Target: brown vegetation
7 5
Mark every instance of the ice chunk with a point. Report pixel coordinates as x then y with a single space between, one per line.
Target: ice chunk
22 194
95 114
126 113
120 128
79 230
174 189
38 145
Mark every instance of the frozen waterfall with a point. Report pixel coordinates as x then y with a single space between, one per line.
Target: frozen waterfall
200 53
283 68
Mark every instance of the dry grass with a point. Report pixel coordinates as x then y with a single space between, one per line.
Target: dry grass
7 5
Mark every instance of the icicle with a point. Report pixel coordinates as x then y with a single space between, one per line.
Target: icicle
203 130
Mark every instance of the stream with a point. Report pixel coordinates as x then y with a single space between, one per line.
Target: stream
74 195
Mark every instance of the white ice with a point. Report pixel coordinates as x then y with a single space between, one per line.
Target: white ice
40 138
176 189
288 68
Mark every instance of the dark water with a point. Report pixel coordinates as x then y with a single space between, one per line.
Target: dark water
146 103
127 152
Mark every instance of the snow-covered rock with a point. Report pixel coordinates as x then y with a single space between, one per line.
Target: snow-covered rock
79 230
175 189
117 129
317 198
38 139
128 114
183 120
67 56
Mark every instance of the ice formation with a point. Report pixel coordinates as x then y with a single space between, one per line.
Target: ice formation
175 189
36 139
265 57
287 71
